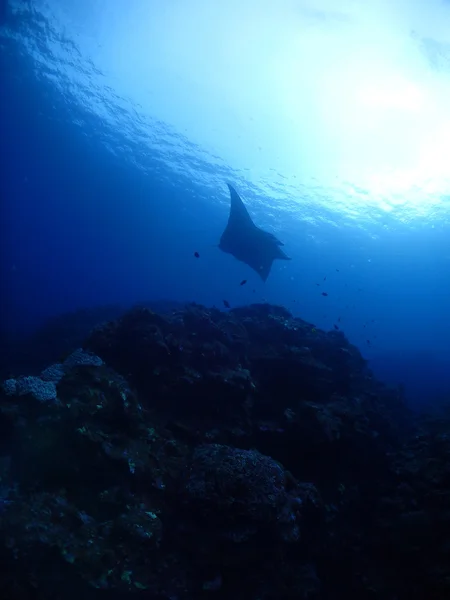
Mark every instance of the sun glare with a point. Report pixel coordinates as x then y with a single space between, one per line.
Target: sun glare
393 93
279 93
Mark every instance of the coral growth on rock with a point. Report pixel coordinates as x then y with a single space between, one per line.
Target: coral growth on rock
193 453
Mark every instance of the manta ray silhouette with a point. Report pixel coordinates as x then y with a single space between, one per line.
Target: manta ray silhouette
247 242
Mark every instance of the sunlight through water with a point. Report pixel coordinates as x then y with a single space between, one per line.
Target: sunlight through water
350 104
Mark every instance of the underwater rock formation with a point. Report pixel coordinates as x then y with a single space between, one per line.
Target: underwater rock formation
192 453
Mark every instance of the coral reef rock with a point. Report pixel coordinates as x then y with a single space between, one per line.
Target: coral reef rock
247 455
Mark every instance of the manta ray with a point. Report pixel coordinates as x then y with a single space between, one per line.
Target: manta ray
247 242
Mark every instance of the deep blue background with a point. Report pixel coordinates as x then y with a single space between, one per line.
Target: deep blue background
82 225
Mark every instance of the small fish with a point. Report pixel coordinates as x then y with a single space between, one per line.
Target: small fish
197 255
324 294
368 341
253 291
243 282
337 270
325 278
336 327
339 319
226 304
313 330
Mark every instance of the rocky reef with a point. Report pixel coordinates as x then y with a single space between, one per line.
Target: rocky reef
192 453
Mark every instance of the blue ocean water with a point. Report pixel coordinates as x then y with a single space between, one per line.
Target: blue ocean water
121 123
